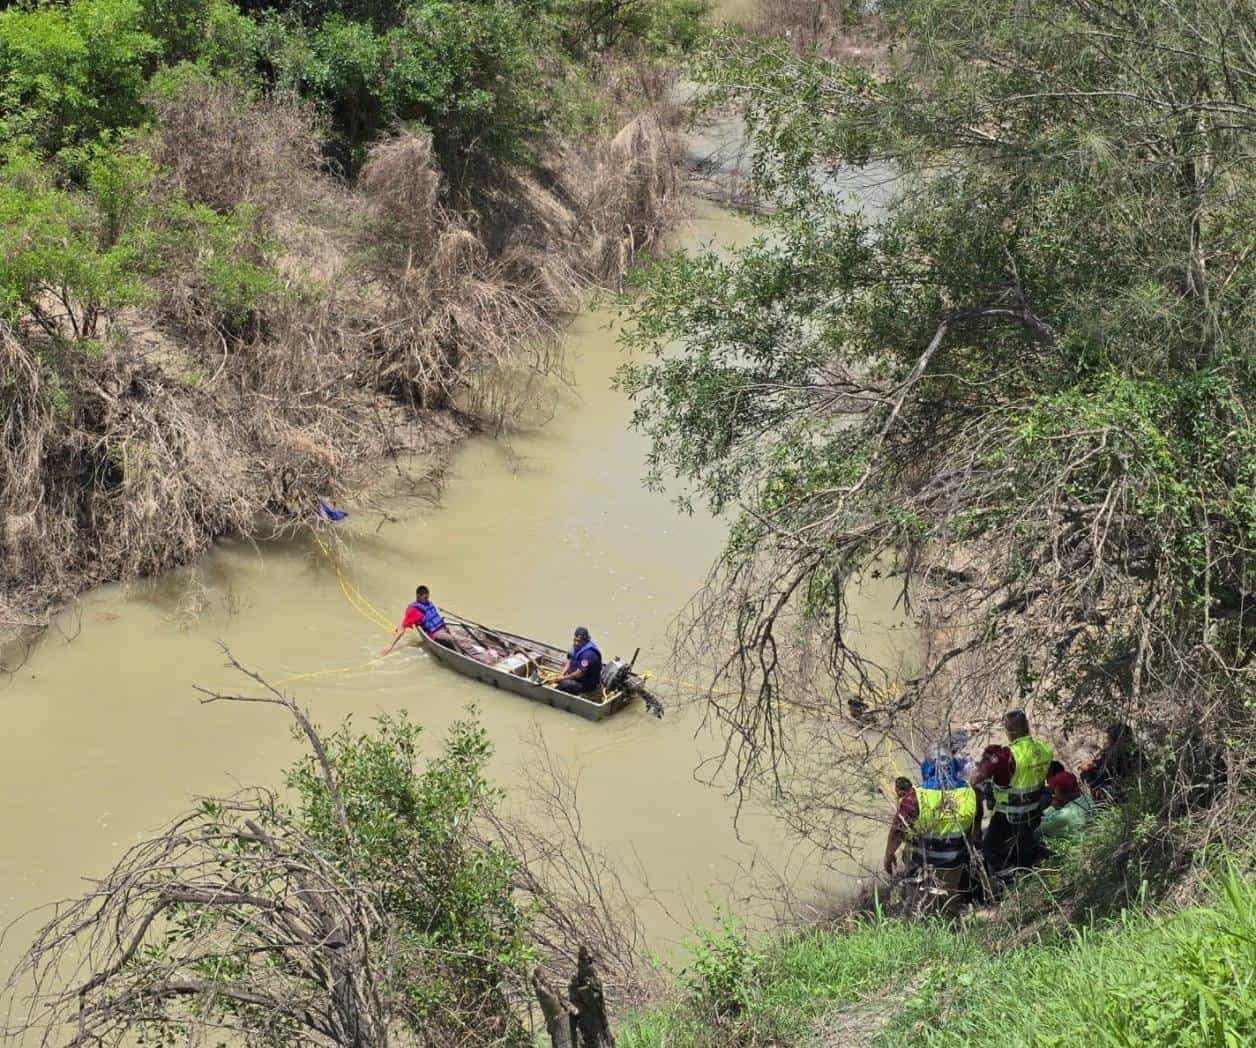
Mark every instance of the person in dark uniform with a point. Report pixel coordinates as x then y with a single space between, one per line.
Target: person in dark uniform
584 666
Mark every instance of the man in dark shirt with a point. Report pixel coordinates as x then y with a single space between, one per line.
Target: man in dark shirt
1017 773
1001 846
584 666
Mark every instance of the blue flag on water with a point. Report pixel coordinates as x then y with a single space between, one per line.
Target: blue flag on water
330 513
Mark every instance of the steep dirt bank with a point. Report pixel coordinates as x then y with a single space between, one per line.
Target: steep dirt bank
391 321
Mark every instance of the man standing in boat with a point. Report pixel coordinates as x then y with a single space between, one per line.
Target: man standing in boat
584 666
422 614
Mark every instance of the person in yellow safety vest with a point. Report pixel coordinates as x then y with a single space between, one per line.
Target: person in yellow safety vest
940 825
1011 839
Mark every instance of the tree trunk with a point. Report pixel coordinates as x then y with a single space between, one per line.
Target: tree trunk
582 1022
557 1015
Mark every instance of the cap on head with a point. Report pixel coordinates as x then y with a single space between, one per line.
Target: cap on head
581 633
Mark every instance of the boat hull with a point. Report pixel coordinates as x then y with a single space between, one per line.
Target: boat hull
486 674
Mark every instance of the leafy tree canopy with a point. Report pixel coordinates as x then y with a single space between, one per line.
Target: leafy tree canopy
1026 387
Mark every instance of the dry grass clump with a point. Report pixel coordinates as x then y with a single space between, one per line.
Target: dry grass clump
374 306
445 306
471 303
629 196
110 468
218 147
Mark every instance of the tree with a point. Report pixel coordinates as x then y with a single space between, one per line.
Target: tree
1024 390
70 73
383 902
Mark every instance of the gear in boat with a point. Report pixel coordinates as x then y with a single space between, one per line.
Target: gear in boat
578 680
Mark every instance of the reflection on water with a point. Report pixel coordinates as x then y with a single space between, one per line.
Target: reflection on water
106 738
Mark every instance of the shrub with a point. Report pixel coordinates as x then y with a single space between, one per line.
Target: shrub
720 973
470 73
213 269
69 74
53 250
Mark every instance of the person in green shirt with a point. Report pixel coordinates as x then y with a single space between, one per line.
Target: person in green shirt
1070 808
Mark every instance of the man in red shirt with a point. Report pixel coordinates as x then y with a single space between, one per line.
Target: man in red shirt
423 615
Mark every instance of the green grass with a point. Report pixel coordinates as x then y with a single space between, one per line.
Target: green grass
781 990
1184 979
1181 980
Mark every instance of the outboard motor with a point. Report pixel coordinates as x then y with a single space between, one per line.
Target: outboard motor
615 674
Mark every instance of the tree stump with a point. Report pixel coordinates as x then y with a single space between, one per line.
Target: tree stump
580 1022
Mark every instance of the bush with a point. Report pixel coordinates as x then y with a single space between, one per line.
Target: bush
214 269
450 898
720 973
54 249
69 74
470 73
661 25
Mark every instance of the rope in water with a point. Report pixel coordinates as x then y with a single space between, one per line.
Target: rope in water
360 603
356 598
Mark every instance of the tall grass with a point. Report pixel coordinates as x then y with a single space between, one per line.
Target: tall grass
1186 980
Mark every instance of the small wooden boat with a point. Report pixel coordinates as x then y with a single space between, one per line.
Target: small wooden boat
522 666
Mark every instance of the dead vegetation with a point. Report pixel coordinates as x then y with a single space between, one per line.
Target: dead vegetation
380 320
243 919
846 30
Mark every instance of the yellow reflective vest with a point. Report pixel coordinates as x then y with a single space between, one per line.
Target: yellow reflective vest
943 821
1021 798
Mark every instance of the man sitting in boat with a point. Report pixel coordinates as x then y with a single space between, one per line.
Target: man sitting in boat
422 614
584 666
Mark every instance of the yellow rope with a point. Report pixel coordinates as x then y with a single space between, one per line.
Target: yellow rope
326 673
356 598
360 603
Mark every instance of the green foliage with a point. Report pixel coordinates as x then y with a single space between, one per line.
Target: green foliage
470 73
230 45
447 895
223 258
481 76
1179 980
781 988
1035 360
70 73
71 257
60 264
720 968
658 25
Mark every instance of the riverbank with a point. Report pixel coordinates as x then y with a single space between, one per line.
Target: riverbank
279 335
1148 977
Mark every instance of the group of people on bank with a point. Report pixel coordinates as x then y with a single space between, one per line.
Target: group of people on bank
581 675
1032 798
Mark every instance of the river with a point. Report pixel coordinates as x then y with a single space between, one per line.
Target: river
106 738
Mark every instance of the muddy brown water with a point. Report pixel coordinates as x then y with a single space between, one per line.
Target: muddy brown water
106 739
